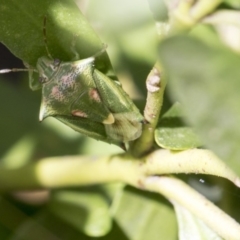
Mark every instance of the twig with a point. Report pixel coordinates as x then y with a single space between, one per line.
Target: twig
180 193
188 13
156 83
76 171
57 172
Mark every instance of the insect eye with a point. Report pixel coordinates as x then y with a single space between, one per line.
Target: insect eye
56 62
42 79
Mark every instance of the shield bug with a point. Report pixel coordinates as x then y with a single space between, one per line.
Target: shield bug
85 99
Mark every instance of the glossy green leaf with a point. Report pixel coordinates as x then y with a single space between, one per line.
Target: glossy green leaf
190 227
205 80
173 134
87 211
21 30
144 215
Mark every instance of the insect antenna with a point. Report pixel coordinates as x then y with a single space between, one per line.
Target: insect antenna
104 47
45 36
2 71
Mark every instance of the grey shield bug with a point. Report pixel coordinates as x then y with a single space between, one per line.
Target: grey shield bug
85 99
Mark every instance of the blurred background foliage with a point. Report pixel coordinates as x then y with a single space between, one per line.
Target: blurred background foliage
111 211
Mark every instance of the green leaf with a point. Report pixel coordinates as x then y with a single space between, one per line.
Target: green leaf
206 81
87 211
144 215
190 226
173 134
44 225
21 30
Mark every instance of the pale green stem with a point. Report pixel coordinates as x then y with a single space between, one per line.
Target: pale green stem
183 17
196 161
187 14
59 172
156 83
79 170
179 17
203 7
180 193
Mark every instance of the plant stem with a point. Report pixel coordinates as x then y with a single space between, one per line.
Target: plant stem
188 13
198 161
156 84
203 7
57 172
69 171
180 193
